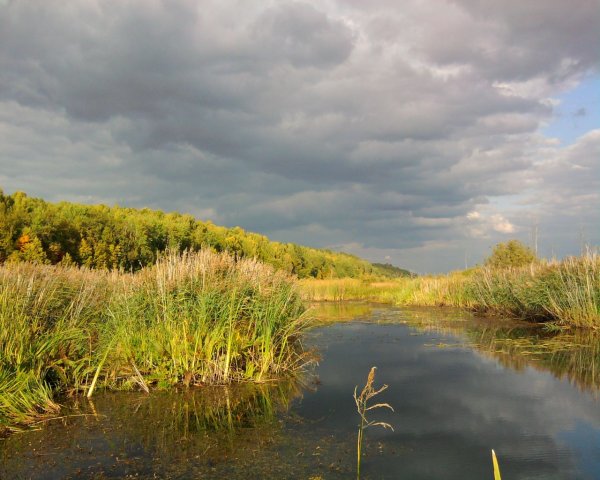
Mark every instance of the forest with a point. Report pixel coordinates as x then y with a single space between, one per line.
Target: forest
128 239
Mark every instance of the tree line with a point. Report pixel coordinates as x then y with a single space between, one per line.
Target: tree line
119 238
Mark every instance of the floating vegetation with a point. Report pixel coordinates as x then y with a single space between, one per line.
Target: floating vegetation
209 426
571 354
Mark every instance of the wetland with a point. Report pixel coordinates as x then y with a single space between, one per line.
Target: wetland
460 385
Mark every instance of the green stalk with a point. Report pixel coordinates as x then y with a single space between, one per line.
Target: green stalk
100 365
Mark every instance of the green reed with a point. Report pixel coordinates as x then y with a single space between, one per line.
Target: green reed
567 292
203 318
194 318
44 340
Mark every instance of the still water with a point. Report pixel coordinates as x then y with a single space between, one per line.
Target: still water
459 386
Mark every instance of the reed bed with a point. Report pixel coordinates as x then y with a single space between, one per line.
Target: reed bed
566 293
446 290
341 289
44 342
193 318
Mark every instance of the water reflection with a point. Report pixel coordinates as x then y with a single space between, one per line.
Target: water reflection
459 385
573 355
332 312
456 397
117 434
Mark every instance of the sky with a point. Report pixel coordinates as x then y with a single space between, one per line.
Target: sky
418 133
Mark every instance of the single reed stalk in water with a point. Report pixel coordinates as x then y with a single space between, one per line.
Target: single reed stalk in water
496 466
362 406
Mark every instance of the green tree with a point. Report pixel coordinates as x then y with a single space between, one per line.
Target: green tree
510 254
99 236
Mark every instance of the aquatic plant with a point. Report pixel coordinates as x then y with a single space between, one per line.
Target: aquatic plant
362 406
203 318
496 466
45 314
566 293
192 318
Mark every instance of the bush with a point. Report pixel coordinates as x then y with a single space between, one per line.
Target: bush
510 254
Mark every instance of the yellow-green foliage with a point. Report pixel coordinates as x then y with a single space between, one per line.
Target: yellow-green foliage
191 318
510 254
439 290
97 236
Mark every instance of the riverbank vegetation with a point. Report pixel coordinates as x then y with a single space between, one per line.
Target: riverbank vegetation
192 318
566 293
127 239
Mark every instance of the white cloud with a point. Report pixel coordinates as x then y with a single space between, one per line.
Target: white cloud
501 224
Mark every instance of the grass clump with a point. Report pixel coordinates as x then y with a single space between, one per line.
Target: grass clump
566 293
44 342
202 318
192 318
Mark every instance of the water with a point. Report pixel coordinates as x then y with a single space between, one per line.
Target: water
459 386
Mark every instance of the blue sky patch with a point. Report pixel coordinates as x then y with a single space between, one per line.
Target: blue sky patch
577 113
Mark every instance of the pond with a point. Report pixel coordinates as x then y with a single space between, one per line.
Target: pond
459 386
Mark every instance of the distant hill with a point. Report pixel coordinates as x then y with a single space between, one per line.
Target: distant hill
391 271
99 236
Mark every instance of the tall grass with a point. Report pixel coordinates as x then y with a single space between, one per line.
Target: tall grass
44 345
202 318
433 290
191 318
566 292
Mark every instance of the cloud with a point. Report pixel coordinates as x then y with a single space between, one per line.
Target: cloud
299 34
339 123
501 224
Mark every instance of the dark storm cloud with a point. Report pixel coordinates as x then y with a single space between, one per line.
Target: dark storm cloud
344 123
551 37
